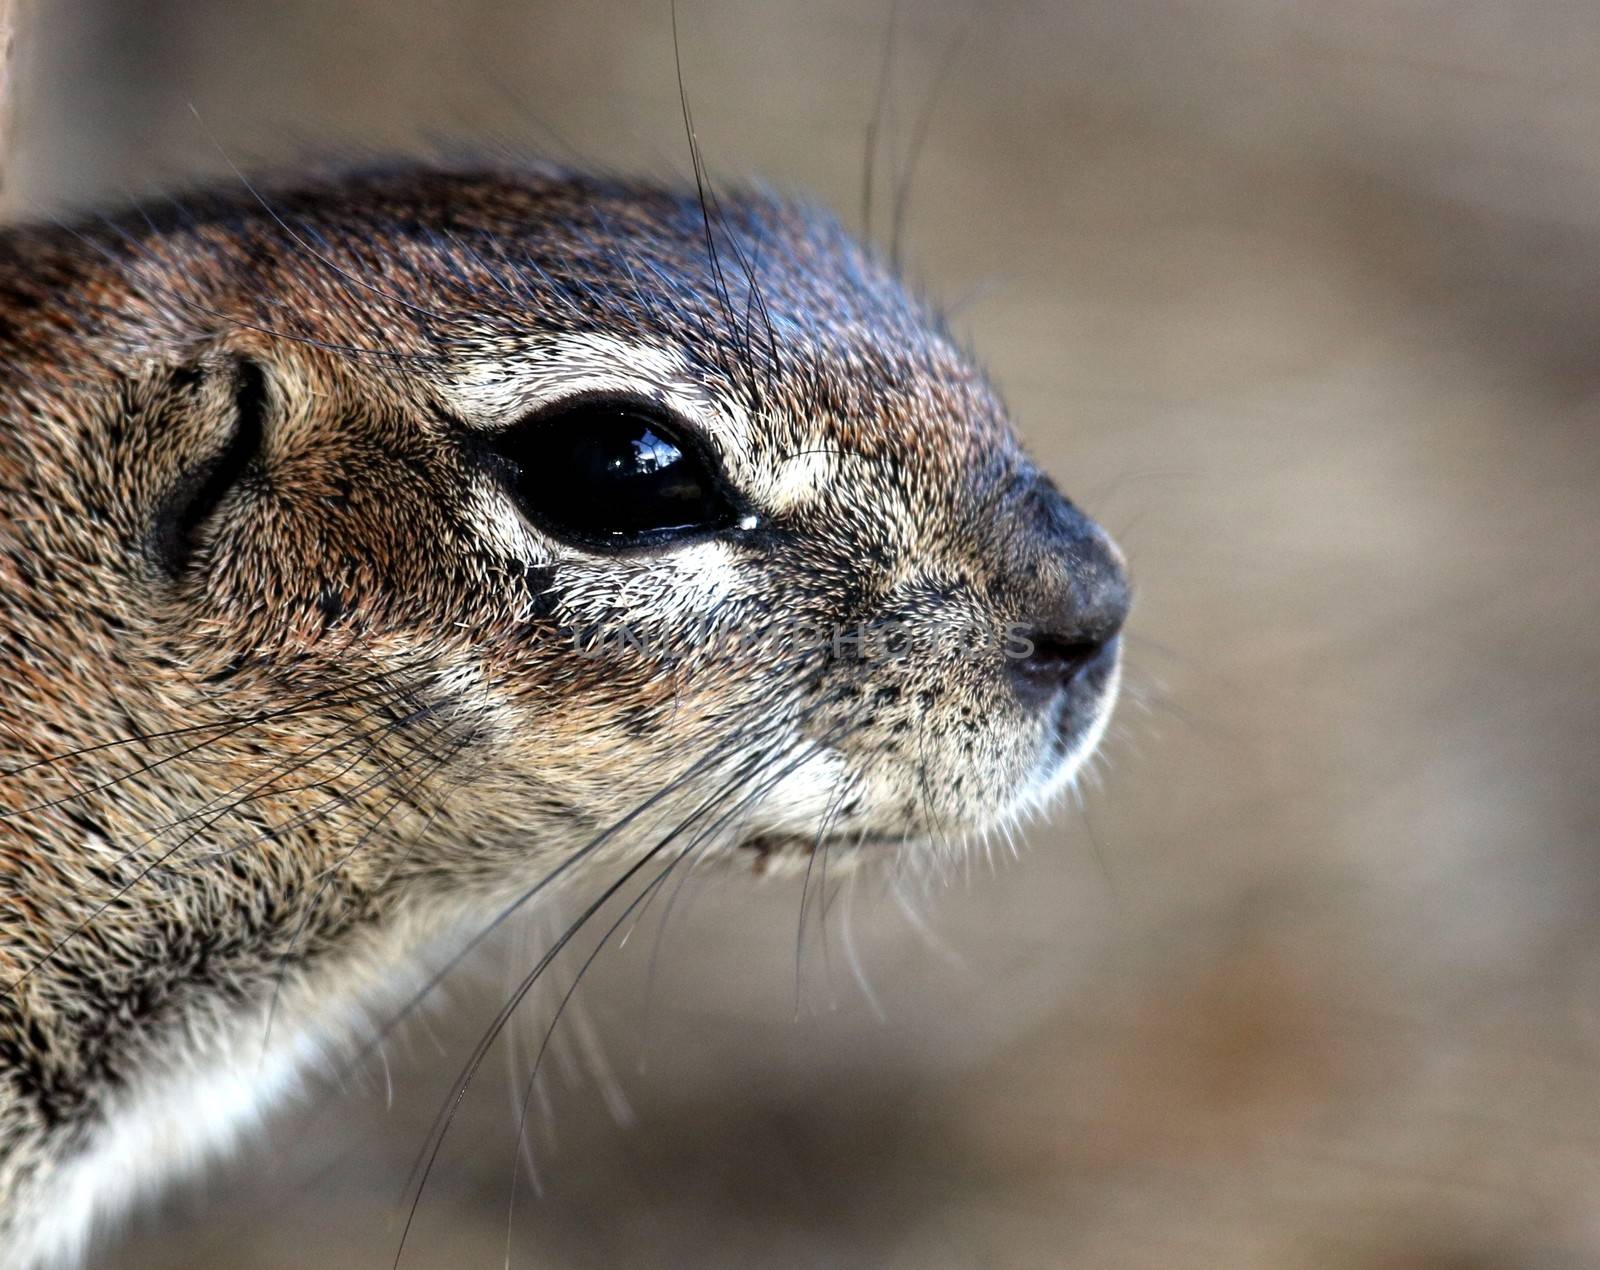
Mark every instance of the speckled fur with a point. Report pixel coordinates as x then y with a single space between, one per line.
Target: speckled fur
355 722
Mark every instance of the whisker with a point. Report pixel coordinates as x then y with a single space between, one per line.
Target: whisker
879 106
852 956
146 871
835 801
720 282
717 752
299 241
436 763
919 136
363 742
231 729
304 757
702 837
480 1051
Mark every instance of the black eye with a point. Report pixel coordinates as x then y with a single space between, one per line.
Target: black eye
615 474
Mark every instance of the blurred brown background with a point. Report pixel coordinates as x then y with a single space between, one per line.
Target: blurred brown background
1301 299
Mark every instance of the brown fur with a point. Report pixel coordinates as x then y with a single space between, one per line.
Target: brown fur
357 709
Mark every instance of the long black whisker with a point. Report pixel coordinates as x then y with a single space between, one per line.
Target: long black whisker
507 911
364 743
704 836
657 944
435 763
265 716
306 247
260 786
146 871
231 729
835 802
919 136
480 1051
720 282
869 163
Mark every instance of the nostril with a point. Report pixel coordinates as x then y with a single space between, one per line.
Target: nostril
1064 657
1045 662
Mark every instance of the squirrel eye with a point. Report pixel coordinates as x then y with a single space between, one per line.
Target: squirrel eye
614 474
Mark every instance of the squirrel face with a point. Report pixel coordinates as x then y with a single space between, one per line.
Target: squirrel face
540 497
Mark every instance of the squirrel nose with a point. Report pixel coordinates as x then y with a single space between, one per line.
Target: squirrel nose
1074 636
1051 662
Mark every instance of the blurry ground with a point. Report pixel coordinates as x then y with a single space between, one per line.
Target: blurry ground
1302 300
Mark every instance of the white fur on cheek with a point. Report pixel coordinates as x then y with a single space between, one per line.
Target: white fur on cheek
803 798
798 478
664 593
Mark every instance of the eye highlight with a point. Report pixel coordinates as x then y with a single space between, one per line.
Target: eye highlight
614 473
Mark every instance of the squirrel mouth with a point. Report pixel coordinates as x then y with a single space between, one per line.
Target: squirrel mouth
774 851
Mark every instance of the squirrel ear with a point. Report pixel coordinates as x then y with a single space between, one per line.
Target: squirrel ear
175 534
